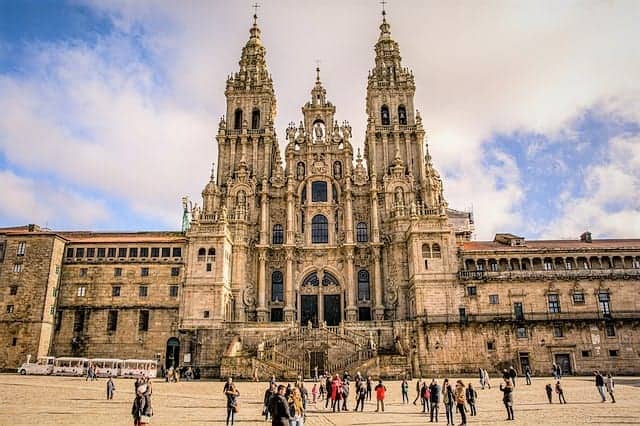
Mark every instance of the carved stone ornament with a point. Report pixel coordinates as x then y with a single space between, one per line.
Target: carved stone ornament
391 294
249 296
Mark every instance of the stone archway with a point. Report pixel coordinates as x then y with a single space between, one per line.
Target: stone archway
320 299
172 358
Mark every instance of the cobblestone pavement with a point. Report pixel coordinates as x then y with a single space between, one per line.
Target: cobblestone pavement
37 400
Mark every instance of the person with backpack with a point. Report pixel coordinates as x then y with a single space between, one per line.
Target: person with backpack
361 396
434 399
424 397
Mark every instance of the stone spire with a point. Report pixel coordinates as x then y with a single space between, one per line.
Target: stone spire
318 93
253 73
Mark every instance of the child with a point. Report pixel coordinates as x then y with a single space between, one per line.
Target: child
560 393
549 391
111 388
314 392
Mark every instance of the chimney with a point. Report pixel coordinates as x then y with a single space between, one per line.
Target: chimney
586 237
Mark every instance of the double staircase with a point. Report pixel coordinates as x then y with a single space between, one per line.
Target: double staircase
297 350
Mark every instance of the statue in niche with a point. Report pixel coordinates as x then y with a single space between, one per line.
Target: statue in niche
241 199
337 170
300 171
399 196
318 130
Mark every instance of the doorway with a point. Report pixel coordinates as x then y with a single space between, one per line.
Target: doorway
564 361
309 310
172 358
524 361
316 359
332 309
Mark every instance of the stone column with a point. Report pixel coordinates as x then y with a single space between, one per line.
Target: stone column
289 309
385 152
378 310
351 292
264 213
262 294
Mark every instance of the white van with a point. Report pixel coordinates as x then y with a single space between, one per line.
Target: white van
43 366
139 367
106 367
70 366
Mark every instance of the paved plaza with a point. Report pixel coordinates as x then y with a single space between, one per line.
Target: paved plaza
37 400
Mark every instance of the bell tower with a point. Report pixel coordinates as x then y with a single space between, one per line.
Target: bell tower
246 135
394 141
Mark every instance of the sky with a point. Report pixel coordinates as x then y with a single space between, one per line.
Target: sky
109 108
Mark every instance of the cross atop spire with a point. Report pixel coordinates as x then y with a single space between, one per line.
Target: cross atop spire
255 13
384 12
317 70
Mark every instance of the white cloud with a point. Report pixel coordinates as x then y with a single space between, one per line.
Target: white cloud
23 198
142 133
611 206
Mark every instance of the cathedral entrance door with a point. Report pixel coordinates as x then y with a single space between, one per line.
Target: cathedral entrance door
309 309
332 309
172 358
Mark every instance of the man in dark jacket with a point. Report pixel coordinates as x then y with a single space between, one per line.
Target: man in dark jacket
279 408
328 385
512 375
600 385
434 399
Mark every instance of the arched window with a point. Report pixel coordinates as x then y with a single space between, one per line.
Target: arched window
402 115
277 287
312 280
362 232
202 252
384 115
329 279
211 254
435 250
237 119
319 229
363 286
277 237
255 118
426 254
319 191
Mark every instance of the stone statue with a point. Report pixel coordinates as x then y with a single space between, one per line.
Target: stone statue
399 196
241 198
300 171
372 342
337 170
318 131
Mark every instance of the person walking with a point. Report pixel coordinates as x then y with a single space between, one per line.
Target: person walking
314 392
361 395
559 371
481 374
487 382
279 408
418 387
336 393
600 385
369 388
434 399
111 388
527 375
448 399
232 395
471 395
296 408
141 409
380 394
345 394
554 371
329 387
460 398
610 387
404 388
268 394
507 398
512 375
424 397
549 391
560 393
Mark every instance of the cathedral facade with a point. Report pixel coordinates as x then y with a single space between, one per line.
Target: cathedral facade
306 258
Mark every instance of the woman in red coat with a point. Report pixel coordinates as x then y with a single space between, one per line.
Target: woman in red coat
336 393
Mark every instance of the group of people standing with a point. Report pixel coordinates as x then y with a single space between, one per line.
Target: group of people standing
141 410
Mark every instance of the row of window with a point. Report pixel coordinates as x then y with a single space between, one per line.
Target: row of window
277 284
553 300
90 252
143 291
320 231
558 331
549 264
238 118
144 272
385 118
112 321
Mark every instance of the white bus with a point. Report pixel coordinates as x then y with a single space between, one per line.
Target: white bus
70 366
44 365
139 367
106 367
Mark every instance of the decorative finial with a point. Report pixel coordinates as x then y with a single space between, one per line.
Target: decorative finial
384 12
255 13
213 172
